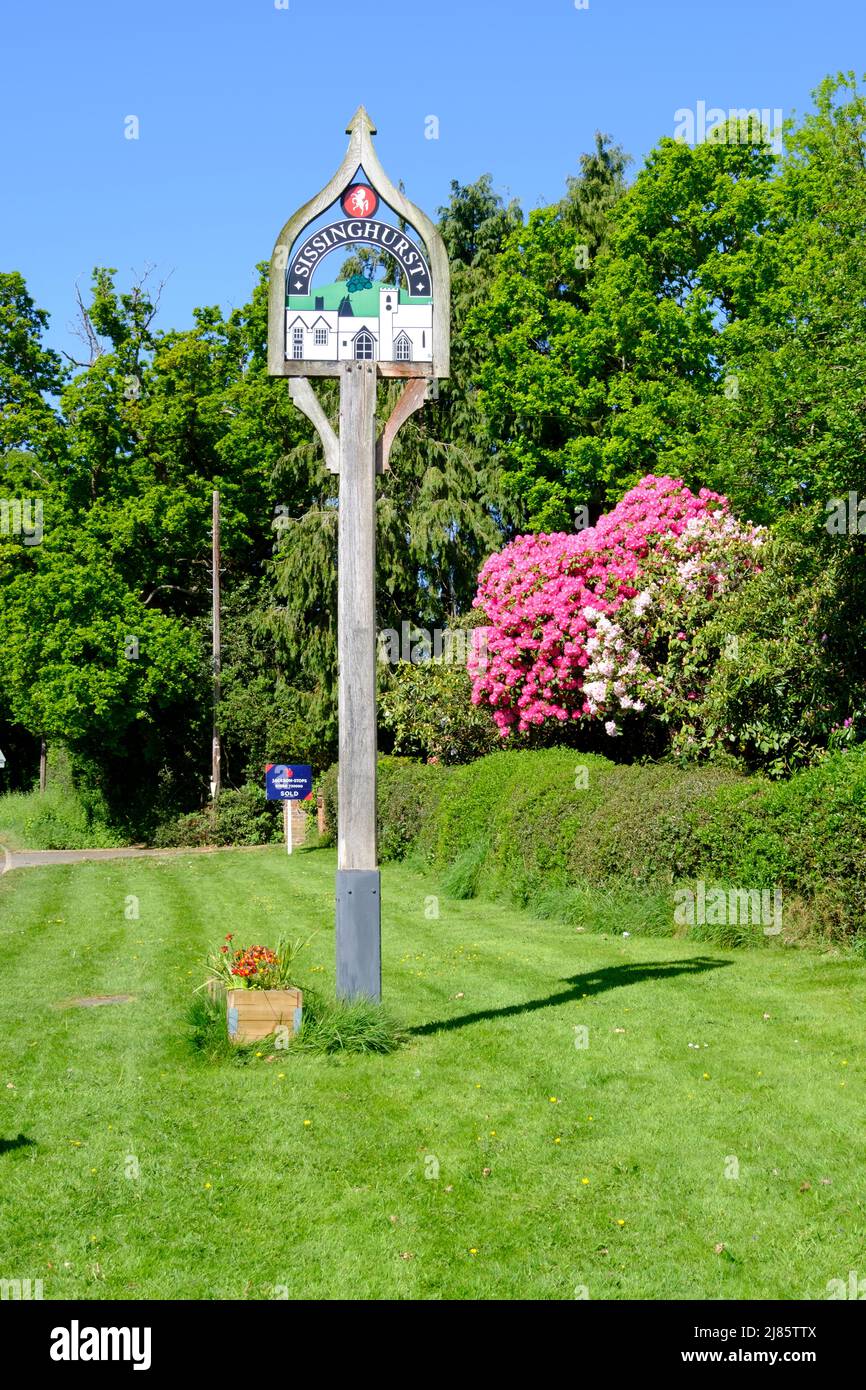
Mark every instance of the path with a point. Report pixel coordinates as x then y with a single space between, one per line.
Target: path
35 858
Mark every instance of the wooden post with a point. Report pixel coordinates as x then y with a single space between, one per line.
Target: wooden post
359 971
43 765
287 824
216 749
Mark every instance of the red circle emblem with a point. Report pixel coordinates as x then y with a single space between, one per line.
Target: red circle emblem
360 201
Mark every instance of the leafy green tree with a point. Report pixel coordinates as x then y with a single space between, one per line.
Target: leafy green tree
592 194
29 374
785 427
542 368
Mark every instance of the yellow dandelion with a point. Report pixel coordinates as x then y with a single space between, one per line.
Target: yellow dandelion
308 1122
585 1182
706 1076
207 1184
557 1140
620 1222
473 1251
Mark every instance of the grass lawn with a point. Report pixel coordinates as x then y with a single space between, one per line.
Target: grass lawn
489 1158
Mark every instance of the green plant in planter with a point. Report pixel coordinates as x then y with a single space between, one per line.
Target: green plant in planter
255 967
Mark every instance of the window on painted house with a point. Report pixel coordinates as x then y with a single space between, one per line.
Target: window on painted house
321 337
403 348
364 346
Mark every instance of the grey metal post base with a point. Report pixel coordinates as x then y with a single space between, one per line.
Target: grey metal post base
359 912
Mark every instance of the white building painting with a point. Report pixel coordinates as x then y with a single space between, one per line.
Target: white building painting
401 331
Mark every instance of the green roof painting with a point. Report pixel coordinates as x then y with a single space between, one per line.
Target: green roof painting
365 303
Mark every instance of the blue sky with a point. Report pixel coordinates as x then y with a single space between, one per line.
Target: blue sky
242 108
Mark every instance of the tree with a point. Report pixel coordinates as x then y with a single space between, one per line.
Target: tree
785 428
29 373
592 195
597 376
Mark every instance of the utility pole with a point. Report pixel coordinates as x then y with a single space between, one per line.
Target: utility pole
216 746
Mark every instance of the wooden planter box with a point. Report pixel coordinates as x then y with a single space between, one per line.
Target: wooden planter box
252 1014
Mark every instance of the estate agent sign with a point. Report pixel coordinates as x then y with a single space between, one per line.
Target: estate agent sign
283 783
385 314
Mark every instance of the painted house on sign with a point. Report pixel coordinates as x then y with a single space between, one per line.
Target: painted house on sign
359 319
376 323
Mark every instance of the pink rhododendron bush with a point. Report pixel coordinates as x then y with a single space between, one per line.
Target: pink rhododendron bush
598 625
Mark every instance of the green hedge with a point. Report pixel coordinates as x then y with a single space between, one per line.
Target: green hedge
532 825
806 835
242 817
553 817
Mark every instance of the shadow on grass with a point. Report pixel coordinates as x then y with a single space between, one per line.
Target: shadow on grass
593 982
20 1142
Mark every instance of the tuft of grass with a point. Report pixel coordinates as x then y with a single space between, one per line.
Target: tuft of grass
612 910
208 1036
357 1027
461 879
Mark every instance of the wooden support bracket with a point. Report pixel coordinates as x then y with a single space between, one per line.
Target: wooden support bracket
411 399
305 398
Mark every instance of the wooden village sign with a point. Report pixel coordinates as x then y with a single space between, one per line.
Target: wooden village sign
358 330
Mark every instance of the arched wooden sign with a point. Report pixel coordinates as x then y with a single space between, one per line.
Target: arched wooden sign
397 317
